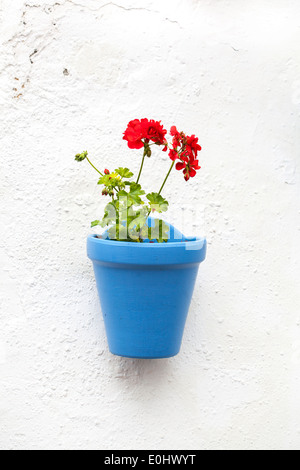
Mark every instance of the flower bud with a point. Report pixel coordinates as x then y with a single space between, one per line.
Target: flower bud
147 151
81 156
106 172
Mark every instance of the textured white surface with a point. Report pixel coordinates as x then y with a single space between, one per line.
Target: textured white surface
72 74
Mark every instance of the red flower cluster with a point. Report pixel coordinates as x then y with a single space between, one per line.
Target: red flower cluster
141 132
185 148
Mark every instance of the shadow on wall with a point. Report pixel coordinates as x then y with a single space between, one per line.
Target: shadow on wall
153 369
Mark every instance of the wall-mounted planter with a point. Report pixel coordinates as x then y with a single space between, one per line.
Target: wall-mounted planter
145 291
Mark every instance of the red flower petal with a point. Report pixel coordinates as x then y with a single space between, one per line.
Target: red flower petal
174 131
180 166
136 145
195 165
153 130
173 155
184 158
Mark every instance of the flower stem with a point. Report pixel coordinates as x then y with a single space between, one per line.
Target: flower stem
94 167
141 168
171 168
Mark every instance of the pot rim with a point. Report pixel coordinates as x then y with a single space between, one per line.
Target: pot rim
146 254
190 243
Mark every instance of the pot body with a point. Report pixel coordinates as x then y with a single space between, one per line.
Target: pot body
145 292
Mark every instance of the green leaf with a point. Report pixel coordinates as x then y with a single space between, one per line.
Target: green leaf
112 181
124 201
95 223
133 197
135 193
159 232
158 203
124 172
81 156
112 233
138 227
122 193
110 215
105 180
141 219
164 231
122 232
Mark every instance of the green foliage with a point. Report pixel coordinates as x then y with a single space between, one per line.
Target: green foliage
159 232
158 203
135 193
116 181
104 180
132 197
110 215
126 215
95 223
124 173
112 181
138 228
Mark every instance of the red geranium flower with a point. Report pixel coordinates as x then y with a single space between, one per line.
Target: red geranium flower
134 134
189 166
185 148
192 145
141 132
177 137
154 131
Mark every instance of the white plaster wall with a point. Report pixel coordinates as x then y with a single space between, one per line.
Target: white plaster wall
227 70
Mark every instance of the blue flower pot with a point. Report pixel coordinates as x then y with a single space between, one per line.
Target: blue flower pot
145 291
